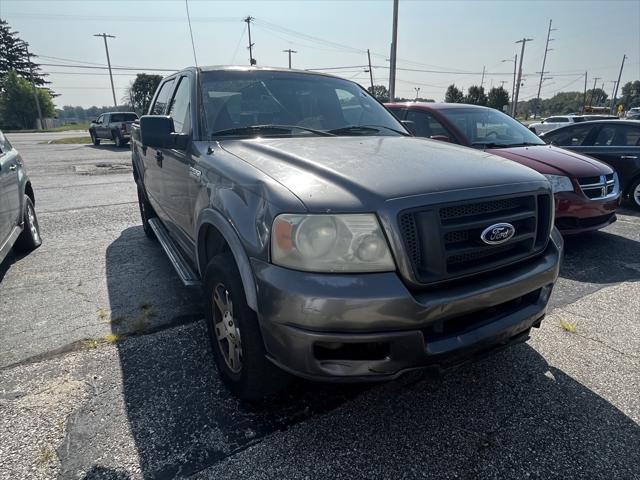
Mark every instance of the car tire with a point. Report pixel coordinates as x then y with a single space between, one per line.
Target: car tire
94 139
146 213
634 194
234 333
118 140
30 238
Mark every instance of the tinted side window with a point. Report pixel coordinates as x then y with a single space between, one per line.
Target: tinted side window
100 119
557 120
180 104
425 124
626 135
572 136
124 117
160 105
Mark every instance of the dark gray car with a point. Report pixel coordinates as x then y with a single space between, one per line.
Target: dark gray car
330 243
114 126
18 222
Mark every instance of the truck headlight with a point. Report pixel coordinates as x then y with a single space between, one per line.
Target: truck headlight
560 183
330 243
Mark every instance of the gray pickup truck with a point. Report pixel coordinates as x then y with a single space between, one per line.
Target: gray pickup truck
331 244
114 126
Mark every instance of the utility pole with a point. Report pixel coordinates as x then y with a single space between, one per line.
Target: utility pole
542 72
394 48
288 50
417 89
252 61
613 89
615 93
370 72
482 81
33 86
515 100
106 48
584 96
593 90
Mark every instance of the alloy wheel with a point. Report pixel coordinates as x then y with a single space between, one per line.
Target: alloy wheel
226 328
33 224
636 195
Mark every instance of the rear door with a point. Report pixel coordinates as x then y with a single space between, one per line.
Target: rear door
178 173
9 189
99 126
152 158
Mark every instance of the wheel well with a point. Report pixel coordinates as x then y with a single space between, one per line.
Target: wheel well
627 190
210 243
28 190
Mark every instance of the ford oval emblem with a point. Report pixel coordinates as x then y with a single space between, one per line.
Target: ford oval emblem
498 233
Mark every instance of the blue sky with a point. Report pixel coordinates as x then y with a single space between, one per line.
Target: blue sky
459 37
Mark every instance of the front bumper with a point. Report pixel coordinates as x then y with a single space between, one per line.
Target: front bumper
371 327
576 213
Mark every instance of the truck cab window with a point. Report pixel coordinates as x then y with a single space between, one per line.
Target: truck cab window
160 105
180 106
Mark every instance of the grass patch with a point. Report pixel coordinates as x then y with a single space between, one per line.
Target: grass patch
570 327
112 338
63 128
45 456
71 140
90 344
102 313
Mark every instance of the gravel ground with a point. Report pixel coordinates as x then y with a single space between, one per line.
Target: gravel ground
73 405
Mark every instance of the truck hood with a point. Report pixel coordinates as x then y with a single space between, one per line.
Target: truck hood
550 160
360 172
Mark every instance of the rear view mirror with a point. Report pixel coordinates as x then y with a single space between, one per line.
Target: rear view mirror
410 125
157 131
440 138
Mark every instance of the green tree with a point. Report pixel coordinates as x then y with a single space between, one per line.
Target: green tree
13 57
453 95
630 95
475 96
596 97
17 105
380 92
498 97
141 91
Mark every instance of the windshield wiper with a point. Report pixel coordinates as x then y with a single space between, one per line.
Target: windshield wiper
277 129
365 128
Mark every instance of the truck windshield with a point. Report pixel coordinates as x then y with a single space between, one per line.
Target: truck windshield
257 103
489 128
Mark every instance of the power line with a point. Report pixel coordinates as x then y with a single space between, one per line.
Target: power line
144 69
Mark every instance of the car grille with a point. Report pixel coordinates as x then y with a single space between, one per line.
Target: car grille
444 242
598 187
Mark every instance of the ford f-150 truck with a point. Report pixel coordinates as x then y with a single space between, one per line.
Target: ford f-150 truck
114 126
329 242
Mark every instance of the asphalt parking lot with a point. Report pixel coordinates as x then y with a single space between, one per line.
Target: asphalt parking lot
105 371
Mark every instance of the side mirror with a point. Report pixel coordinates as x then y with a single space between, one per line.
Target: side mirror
440 138
410 125
158 131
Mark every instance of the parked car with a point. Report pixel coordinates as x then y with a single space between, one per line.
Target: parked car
586 191
330 243
19 227
616 143
551 123
633 114
114 126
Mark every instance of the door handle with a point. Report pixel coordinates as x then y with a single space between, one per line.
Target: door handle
629 157
13 168
159 158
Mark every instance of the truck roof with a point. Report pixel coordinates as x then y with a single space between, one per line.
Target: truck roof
213 68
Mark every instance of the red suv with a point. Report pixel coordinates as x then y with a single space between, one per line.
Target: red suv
587 192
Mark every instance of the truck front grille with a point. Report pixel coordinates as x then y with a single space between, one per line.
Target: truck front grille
444 242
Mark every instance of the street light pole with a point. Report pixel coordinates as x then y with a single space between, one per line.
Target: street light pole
615 93
394 47
513 86
417 89
106 48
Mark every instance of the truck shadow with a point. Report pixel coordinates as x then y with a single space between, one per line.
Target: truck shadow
183 420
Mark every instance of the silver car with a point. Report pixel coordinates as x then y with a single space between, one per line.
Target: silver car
18 222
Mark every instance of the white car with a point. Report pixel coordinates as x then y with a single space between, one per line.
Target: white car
551 123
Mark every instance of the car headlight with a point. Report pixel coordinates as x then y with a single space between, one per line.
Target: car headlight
330 243
560 183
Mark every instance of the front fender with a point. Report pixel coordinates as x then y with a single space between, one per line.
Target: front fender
217 220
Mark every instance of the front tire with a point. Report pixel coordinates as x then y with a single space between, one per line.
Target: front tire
146 213
30 238
235 336
634 194
94 139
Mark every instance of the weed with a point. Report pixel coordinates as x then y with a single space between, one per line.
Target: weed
112 338
569 326
90 344
102 313
45 456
